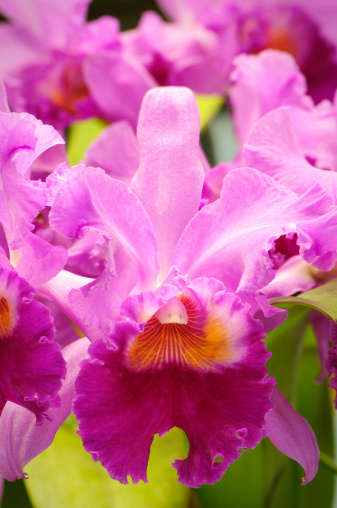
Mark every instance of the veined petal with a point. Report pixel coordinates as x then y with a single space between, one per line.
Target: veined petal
170 176
230 238
92 201
210 381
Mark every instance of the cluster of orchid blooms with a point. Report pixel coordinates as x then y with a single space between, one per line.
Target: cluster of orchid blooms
164 264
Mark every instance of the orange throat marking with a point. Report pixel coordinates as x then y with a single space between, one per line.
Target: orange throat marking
71 90
200 344
6 318
282 41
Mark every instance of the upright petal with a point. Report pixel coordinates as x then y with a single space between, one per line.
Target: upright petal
170 176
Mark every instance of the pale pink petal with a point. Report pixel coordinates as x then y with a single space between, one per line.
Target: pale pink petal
230 239
170 176
116 151
117 84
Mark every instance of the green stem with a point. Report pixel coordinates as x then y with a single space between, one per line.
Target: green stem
328 462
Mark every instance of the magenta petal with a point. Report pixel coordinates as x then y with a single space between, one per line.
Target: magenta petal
220 406
261 83
24 138
52 21
32 366
58 289
116 151
117 84
170 177
274 149
20 438
3 98
17 50
230 239
322 328
39 261
292 435
28 138
92 201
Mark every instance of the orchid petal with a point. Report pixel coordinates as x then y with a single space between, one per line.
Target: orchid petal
230 239
292 435
273 148
117 84
53 20
170 177
116 151
20 438
92 201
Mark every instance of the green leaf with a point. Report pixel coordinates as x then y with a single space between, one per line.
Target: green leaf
80 135
65 476
285 344
209 106
283 479
322 298
242 486
15 495
312 401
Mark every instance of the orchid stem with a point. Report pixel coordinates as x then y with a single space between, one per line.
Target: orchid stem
328 462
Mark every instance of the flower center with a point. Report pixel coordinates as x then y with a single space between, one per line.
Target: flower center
282 40
70 90
201 341
6 317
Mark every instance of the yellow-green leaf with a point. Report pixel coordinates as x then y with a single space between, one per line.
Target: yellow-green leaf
322 298
80 135
209 105
65 476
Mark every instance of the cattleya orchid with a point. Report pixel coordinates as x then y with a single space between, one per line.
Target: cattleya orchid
89 69
52 61
33 367
303 29
169 268
261 87
175 316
